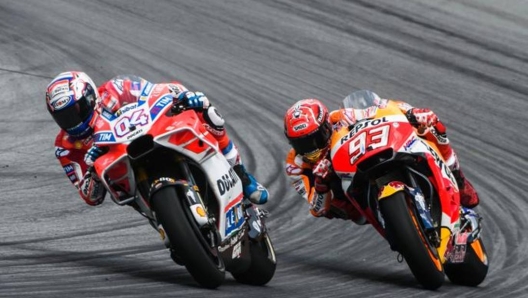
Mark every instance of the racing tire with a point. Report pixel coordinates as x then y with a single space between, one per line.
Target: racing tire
408 238
263 263
473 270
202 261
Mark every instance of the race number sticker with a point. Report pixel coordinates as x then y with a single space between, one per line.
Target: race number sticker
128 124
372 139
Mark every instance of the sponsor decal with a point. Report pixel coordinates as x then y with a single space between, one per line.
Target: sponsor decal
60 102
73 177
300 127
126 108
118 85
61 152
62 88
68 168
134 134
234 218
109 116
442 139
299 187
317 203
233 240
147 89
159 105
362 125
409 144
443 167
227 181
104 137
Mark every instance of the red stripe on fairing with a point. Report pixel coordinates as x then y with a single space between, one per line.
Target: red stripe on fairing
234 202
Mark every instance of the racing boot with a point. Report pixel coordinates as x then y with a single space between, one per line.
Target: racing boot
470 222
468 195
345 210
253 190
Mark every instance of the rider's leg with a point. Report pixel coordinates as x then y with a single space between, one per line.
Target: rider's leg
214 123
437 134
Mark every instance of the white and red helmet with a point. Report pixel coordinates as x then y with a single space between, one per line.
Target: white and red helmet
71 98
307 127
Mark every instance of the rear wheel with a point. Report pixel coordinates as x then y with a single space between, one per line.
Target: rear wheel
473 270
408 238
200 257
263 263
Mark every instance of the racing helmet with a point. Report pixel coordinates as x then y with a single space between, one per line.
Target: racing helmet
121 91
307 128
71 98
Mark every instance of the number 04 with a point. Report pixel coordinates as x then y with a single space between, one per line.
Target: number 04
376 137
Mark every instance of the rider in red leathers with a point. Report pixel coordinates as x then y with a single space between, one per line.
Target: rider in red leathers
73 101
308 126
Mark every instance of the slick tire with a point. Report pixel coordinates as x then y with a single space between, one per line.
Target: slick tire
473 270
408 238
202 261
263 263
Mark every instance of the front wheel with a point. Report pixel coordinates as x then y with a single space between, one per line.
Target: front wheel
473 270
263 263
407 237
201 259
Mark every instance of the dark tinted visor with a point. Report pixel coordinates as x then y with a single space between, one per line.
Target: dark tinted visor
73 116
311 142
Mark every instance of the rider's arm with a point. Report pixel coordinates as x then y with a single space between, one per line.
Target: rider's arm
426 121
302 179
71 159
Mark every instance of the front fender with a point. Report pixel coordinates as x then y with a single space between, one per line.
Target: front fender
390 189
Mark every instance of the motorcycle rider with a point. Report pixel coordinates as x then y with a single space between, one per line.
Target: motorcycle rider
308 126
73 100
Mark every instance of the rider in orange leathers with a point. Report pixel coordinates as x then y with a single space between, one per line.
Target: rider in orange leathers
73 101
308 126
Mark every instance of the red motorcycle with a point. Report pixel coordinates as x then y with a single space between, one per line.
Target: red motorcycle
163 162
403 187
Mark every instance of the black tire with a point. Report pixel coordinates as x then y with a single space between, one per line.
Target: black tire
263 263
408 239
473 270
202 261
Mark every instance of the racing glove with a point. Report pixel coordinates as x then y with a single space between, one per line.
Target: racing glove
320 203
92 154
422 117
193 100
321 173
91 189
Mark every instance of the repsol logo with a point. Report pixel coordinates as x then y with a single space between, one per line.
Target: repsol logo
361 125
227 181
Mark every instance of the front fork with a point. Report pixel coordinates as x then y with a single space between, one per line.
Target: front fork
193 201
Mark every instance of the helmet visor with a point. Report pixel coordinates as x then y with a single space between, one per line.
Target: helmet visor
73 116
312 142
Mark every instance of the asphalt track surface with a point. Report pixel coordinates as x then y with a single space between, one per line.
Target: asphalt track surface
467 60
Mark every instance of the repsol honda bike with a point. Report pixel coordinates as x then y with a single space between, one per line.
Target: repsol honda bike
165 164
402 186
